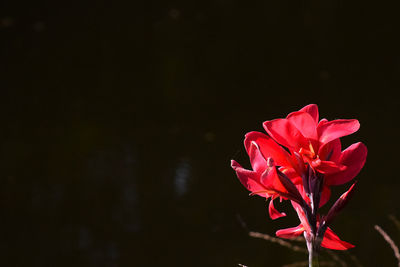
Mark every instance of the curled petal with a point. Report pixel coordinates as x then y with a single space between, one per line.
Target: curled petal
285 133
249 179
273 212
332 241
322 122
332 130
354 158
305 123
290 232
312 109
257 160
268 148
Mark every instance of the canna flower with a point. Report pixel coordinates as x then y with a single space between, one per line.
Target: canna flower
299 159
301 143
316 143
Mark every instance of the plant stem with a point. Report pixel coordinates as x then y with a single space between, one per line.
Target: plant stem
313 259
312 252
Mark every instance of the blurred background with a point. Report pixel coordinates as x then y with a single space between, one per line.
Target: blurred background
119 121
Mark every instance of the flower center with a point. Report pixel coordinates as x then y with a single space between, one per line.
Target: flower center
309 155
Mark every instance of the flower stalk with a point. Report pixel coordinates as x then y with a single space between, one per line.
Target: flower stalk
312 238
312 254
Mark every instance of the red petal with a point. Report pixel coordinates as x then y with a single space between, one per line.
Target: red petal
274 213
302 216
270 180
303 193
305 123
268 148
249 179
285 133
339 205
325 195
354 158
290 232
322 121
332 241
312 109
332 150
332 130
292 174
329 167
257 160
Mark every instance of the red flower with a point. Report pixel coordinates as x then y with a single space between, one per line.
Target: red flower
310 142
299 160
317 144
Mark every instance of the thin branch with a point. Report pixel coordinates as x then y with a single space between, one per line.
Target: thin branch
395 221
390 242
297 264
278 241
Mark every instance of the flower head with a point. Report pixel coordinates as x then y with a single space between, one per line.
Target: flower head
316 143
299 159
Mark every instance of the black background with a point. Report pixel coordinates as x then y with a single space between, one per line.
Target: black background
119 120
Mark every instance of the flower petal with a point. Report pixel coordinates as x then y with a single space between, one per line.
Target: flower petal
302 216
292 174
268 148
328 167
274 213
354 158
249 179
269 179
290 232
332 130
290 189
285 133
331 151
339 205
257 160
305 123
312 109
332 241
325 195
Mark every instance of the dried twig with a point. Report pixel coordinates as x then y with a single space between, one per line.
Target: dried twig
390 242
297 264
395 221
278 241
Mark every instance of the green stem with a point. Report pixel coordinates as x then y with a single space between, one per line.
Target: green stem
312 252
313 260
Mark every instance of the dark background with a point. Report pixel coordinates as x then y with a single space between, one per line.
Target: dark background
119 120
